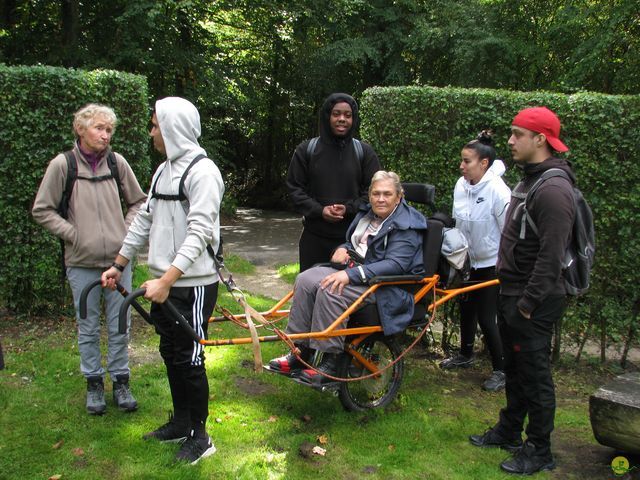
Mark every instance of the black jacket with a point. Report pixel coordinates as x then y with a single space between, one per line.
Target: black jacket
531 268
332 174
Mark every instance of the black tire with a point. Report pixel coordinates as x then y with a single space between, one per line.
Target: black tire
373 392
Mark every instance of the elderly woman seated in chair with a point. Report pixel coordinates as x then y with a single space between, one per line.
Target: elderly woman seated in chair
387 237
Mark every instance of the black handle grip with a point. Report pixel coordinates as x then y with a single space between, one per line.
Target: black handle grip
83 297
123 291
128 301
180 320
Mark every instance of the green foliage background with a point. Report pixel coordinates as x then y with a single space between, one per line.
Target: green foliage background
418 132
37 105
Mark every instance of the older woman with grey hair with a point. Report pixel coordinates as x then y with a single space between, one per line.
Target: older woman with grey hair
386 236
79 201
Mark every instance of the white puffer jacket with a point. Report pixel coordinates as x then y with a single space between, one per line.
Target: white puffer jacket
480 211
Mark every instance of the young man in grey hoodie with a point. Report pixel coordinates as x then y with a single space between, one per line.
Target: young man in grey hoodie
178 230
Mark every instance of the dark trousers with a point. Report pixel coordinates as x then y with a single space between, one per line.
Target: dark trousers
316 249
183 357
480 307
529 386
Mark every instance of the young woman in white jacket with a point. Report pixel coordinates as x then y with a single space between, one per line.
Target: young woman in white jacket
480 201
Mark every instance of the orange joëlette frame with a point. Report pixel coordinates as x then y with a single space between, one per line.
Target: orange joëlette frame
428 284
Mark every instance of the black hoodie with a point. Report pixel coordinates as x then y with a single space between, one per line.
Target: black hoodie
332 175
531 268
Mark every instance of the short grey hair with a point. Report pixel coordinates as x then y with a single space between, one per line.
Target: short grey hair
383 175
84 117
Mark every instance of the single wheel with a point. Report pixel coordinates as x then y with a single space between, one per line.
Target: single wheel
372 392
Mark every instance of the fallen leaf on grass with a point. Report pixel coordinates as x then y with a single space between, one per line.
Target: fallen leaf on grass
323 439
78 452
319 451
57 476
272 419
57 445
391 447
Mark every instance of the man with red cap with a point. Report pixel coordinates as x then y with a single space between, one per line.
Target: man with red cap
532 292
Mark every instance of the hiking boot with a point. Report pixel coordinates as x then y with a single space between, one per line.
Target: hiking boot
122 394
328 365
458 361
95 396
195 448
526 461
289 364
170 432
491 438
495 382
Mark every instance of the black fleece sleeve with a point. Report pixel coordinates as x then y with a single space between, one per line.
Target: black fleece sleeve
298 184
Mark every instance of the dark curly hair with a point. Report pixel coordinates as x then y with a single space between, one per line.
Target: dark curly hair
483 146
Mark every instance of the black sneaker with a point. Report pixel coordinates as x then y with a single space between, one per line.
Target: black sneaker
170 432
289 364
328 366
527 462
491 438
195 448
459 361
495 382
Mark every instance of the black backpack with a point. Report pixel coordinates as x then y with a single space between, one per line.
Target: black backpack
580 253
357 146
182 197
72 176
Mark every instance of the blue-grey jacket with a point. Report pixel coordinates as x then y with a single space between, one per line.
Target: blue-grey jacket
395 250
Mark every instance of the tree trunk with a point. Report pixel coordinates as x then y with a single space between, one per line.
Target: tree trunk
70 19
630 334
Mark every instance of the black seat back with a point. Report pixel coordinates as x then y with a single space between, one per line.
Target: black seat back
432 242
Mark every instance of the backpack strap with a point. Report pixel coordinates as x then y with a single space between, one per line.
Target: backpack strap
113 168
181 195
516 193
72 176
357 146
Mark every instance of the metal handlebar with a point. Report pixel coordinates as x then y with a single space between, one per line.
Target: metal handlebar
83 303
173 311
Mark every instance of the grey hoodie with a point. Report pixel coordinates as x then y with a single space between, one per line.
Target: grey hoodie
178 233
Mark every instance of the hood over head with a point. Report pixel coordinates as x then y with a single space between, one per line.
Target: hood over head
179 123
324 127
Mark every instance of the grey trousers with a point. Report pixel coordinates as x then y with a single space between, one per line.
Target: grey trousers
89 328
314 309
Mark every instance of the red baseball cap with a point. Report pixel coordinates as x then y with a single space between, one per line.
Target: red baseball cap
541 120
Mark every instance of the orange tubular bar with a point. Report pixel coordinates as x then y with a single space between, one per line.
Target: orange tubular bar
273 312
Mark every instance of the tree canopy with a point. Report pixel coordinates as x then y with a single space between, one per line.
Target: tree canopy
259 69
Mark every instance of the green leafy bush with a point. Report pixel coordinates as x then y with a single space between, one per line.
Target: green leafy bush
37 105
419 132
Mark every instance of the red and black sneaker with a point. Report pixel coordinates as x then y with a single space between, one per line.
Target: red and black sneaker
289 364
328 366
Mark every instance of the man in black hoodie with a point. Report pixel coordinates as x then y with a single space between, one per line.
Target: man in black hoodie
328 182
532 292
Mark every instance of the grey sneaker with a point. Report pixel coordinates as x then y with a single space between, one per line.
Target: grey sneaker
122 396
95 396
170 432
195 448
495 382
458 361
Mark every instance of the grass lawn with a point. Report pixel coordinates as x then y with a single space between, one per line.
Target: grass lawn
259 422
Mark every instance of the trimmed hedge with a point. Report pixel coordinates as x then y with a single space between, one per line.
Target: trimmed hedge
37 105
418 132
